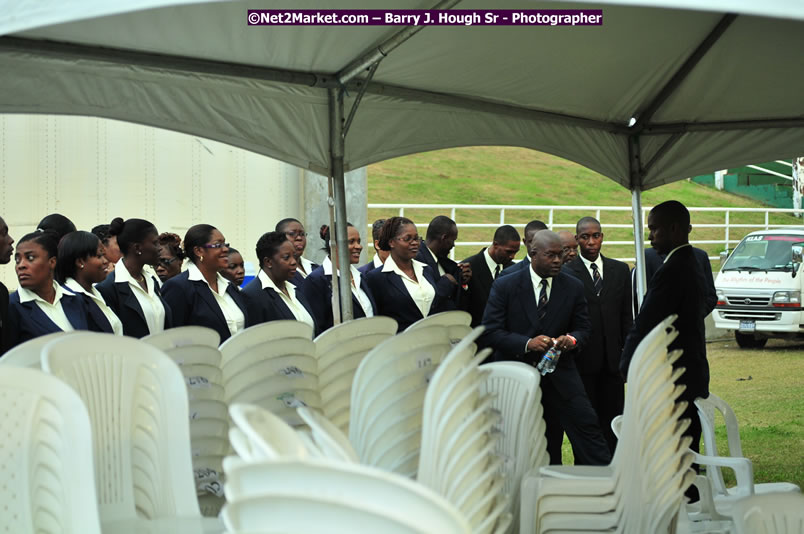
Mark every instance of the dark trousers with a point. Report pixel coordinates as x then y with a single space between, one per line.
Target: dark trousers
606 392
573 413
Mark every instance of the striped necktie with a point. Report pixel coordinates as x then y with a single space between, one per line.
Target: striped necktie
541 307
497 271
597 280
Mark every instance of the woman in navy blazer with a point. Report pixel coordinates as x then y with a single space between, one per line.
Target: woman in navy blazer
200 296
41 306
392 292
272 296
317 288
132 294
82 263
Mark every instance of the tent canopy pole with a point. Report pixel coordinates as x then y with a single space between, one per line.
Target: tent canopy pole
639 244
341 276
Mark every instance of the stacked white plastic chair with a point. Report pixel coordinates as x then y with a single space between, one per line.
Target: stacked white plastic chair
456 323
137 403
29 354
339 352
743 468
317 496
46 456
388 395
195 350
260 435
459 440
771 513
642 490
272 365
522 443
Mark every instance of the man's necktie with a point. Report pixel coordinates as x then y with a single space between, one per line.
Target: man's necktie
541 307
597 280
497 271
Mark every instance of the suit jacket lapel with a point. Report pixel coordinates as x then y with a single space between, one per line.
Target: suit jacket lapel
528 297
199 286
129 300
396 281
486 277
75 314
582 273
39 317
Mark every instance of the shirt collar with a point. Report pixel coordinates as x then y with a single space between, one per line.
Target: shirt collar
435 258
490 263
537 280
377 261
391 266
598 261
268 283
675 249
327 266
195 274
121 275
26 295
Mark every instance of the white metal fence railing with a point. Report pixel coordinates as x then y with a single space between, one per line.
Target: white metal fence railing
730 229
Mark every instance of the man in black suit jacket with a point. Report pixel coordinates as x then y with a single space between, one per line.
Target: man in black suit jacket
530 230
6 249
487 265
522 323
442 232
679 287
653 260
607 288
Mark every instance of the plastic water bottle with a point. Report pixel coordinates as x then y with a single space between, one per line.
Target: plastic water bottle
548 362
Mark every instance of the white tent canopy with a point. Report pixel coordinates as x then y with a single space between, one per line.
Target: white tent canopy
653 95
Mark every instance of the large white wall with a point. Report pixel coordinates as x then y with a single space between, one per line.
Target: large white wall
93 170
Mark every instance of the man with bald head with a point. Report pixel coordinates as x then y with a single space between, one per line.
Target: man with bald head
677 287
569 246
527 313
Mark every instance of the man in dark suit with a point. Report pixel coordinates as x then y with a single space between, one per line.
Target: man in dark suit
677 287
569 245
530 230
442 232
487 265
607 288
6 249
527 313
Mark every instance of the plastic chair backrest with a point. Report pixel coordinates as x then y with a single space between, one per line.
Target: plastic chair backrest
263 333
137 402
447 318
360 487
269 436
771 513
182 336
329 438
46 456
336 335
706 413
29 354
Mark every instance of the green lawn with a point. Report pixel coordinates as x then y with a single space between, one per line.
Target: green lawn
769 406
517 176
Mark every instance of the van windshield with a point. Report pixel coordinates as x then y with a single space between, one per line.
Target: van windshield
763 252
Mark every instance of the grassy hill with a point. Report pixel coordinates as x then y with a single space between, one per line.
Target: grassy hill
506 175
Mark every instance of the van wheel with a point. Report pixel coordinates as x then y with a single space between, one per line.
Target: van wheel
748 341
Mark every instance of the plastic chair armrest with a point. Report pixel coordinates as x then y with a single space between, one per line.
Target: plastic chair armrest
742 467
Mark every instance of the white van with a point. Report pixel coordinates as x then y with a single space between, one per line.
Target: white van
759 288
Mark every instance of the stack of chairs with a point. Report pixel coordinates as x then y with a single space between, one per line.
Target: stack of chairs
195 350
457 324
521 444
388 393
642 489
272 365
136 398
29 354
459 440
339 352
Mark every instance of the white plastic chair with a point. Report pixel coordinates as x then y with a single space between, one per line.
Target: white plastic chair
448 318
257 335
29 354
771 513
340 497
743 468
267 436
46 457
184 336
138 406
328 438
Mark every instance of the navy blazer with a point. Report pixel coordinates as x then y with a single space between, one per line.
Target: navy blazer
393 299
266 305
192 303
459 295
516 267
124 304
317 289
96 315
511 320
480 285
27 321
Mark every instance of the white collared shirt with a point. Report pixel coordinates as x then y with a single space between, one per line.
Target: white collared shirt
152 308
588 265
490 263
55 311
675 249
117 325
307 265
296 308
420 290
440 269
359 294
537 284
235 320
377 261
